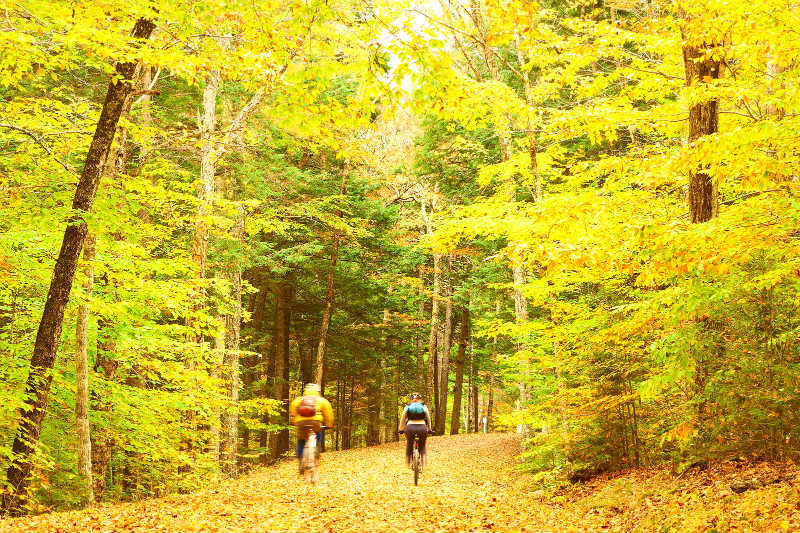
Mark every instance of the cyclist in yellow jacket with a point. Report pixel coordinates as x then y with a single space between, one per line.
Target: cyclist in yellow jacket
310 411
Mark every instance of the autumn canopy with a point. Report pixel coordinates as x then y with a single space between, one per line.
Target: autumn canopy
572 220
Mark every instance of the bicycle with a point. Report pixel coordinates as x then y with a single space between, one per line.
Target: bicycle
416 458
311 453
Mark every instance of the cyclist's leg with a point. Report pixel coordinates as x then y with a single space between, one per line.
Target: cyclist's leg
423 451
409 433
301 443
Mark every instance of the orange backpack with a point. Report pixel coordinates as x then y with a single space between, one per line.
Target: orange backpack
307 407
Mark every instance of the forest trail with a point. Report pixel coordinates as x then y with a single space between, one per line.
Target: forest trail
469 486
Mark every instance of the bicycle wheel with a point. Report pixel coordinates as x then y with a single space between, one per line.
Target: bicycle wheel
415 463
310 461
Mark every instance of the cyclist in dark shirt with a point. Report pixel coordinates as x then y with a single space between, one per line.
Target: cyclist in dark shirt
415 420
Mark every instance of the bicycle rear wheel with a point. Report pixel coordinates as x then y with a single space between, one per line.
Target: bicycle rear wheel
416 465
310 461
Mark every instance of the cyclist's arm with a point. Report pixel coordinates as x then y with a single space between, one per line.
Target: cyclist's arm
402 426
428 417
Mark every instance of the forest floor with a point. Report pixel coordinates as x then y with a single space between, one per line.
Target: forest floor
470 485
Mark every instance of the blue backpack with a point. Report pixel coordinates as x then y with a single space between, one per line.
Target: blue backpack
416 411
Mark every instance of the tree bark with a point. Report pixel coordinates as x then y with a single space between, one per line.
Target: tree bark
521 311
102 435
330 295
458 386
233 326
432 375
530 123
700 67
82 373
37 387
216 422
420 337
283 306
444 364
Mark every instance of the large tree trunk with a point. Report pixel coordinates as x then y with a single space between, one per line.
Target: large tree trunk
330 295
283 309
37 387
458 386
233 327
700 67
82 373
444 364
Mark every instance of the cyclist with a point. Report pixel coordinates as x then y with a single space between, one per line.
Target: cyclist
313 411
415 420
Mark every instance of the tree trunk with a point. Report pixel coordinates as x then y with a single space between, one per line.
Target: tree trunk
37 387
530 123
330 295
521 311
82 373
458 387
444 365
306 361
395 399
562 404
216 417
102 435
431 377
421 378
233 327
470 388
283 309
493 361
700 67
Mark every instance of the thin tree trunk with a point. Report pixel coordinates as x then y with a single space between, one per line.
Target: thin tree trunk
395 399
444 364
458 387
216 417
102 435
37 387
233 326
562 404
470 387
521 311
283 306
330 295
475 399
700 66
493 369
82 373
421 377
530 123
432 374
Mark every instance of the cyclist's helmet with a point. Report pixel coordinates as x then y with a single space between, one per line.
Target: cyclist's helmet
415 397
311 388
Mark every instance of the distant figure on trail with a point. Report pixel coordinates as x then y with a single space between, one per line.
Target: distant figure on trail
415 420
310 411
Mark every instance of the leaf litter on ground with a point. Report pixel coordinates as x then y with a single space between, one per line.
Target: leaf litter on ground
470 485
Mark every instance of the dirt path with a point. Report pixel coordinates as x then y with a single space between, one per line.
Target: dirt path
467 486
